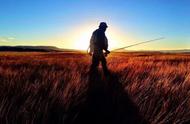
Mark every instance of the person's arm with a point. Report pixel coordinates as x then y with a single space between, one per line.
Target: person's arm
106 45
103 41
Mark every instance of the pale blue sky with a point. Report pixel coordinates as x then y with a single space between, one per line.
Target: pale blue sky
43 22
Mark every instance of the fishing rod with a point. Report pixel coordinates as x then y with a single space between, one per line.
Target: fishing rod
138 44
107 52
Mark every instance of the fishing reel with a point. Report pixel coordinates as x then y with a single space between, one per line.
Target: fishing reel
106 53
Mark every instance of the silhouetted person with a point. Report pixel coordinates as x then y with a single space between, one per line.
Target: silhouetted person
99 48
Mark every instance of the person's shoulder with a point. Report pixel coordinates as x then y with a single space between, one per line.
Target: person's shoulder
95 32
100 31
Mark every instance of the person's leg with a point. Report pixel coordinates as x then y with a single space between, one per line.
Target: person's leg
95 63
104 65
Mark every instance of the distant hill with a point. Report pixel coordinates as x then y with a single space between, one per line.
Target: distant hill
177 51
33 49
56 49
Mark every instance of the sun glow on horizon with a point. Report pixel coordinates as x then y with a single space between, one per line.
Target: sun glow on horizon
80 38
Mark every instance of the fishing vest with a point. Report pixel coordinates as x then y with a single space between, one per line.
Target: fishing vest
98 41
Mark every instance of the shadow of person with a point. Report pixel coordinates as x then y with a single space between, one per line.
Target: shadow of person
107 103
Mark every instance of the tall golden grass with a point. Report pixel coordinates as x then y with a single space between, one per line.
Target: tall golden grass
52 87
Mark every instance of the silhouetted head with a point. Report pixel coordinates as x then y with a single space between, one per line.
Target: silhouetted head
103 26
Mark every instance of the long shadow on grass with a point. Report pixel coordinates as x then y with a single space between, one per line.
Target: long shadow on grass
107 103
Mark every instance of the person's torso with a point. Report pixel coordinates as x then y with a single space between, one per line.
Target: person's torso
99 40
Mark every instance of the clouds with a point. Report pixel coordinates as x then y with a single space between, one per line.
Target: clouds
7 39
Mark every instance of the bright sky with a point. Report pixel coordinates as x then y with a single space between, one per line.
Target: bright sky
70 23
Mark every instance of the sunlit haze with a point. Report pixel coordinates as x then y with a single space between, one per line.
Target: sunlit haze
69 24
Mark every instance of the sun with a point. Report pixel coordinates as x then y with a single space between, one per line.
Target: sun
83 40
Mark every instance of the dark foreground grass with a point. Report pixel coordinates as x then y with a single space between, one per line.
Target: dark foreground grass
58 88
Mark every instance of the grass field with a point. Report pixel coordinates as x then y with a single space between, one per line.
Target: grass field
58 88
